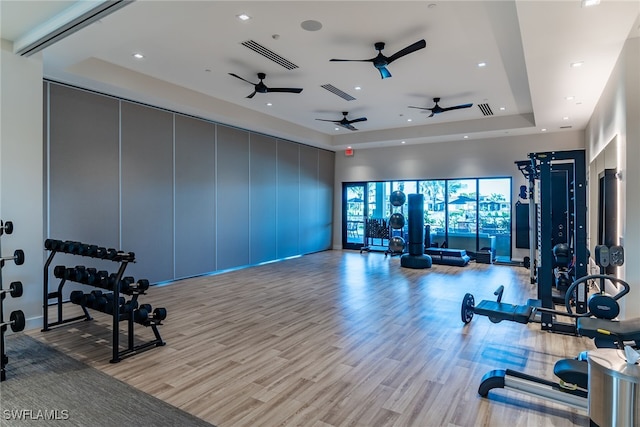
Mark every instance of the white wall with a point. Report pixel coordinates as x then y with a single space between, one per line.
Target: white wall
616 120
493 157
21 177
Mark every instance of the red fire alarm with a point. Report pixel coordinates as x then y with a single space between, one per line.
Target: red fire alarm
348 152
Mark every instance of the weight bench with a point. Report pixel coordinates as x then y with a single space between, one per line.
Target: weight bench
496 311
456 257
609 330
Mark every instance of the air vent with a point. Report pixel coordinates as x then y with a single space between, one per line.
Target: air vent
486 110
258 48
336 91
566 127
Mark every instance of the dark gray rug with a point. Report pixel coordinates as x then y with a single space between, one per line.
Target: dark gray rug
47 387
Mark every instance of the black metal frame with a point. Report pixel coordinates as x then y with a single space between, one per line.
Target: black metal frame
540 170
124 259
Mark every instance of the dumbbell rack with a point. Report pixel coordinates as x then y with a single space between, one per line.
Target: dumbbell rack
114 284
17 319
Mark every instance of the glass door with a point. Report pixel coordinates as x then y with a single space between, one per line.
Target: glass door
353 215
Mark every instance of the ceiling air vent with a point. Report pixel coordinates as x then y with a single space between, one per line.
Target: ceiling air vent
486 110
258 48
566 127
336 91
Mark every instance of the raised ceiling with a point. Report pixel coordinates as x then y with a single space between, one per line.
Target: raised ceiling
190 47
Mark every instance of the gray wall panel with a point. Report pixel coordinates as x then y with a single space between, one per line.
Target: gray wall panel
232 200
195 183
309 215
263 199
288 201
84 164
326 178
147 190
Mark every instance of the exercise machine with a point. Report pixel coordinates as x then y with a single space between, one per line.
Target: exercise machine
599 305
557 215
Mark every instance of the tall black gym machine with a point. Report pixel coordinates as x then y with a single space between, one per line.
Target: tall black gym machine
558 214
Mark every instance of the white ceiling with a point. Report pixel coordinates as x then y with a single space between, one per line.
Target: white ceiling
190 48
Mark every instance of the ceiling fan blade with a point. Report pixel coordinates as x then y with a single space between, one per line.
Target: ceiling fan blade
407 50
432 114
421 108
284 89
384 73
361 119
332 121
457 107
251 96
238 77
347 126
352 60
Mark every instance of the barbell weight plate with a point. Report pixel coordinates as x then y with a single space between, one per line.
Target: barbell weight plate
17 321
466 310
18 256
8 227
16 289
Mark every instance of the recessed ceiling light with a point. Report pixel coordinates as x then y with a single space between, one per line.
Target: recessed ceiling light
357 88
336 128
243 17
466 137
569 98
138 55
565 118
589 3
543 129
409 120
311 25
482 64
269 104
577 64
502 108
403 142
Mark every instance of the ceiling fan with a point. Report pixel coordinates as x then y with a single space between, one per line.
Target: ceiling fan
345 123
437 109
260 87
381 61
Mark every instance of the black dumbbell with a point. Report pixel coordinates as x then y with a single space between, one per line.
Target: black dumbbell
50 244
143 285
77 297
109 307
125 284
59 271
18 258
92 276
160 313
6 227
140 315
100 252
15 290
16 321
91 298
91 250
80 274
111 254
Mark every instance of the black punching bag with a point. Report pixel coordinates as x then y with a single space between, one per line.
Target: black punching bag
416 224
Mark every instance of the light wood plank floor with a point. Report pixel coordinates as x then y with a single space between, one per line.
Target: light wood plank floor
336 338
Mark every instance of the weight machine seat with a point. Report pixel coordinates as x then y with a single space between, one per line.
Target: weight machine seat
502 311
573 371
625 330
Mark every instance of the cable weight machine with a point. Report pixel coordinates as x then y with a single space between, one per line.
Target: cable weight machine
557 214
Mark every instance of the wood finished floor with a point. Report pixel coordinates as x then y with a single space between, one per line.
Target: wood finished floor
336 338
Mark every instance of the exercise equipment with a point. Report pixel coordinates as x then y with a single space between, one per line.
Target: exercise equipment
456 257
6 227
16 320
416 257
600 304
17 258
573 387
557 214
111 303
397 244
15 290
